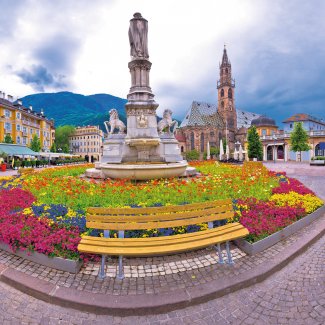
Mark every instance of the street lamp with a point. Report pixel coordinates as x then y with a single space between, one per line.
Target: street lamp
274 138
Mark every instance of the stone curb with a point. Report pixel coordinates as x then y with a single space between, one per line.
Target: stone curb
155 303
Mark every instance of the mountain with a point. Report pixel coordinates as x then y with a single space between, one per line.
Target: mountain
75 109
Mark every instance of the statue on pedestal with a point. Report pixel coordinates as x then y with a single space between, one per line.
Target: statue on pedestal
138 36
167 123
114 122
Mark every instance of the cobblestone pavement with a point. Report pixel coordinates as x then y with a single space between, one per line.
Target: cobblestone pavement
295 295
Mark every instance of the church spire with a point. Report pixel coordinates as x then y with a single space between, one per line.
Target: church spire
225 60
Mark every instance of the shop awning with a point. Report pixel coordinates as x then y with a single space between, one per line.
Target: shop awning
17 150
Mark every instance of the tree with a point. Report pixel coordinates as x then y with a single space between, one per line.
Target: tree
299 139
53 147
192 155
255 148
35 144
62 134
8 139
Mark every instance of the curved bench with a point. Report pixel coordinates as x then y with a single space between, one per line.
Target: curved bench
122 219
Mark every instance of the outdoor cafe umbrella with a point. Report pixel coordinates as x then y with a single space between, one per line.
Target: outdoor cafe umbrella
236 154
241 157
221 153
227 151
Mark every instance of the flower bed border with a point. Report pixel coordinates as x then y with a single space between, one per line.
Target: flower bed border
273 239
66 265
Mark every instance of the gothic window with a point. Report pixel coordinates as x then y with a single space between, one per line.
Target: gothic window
202 142
222 105
230 93
222 92
226 70
192 141
182 149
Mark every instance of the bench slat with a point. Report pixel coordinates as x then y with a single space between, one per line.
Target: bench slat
159 217
159 224
161 241
162 209
166 249
136 240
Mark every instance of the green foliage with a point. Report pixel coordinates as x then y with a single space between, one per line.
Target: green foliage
299 139
8 139
62 134
192 155
35 144
213 152
255 148
53 147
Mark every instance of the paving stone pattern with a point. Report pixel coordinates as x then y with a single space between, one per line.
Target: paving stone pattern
295 295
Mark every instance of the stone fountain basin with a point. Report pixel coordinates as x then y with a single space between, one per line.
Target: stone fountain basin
143 171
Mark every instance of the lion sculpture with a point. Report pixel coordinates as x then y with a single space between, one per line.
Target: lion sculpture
114 122
167 124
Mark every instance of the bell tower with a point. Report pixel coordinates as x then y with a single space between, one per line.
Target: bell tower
226 98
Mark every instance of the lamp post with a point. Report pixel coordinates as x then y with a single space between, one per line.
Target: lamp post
274 138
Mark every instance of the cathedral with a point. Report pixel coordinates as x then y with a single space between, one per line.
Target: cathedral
206 122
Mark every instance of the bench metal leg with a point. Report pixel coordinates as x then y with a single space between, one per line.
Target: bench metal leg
102 274
230 261
120 275
221 261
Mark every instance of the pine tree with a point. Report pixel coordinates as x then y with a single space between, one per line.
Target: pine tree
299 139
35 144
255 148
8 139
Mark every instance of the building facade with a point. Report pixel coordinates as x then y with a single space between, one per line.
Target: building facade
206 122
87 141
276 143
22 123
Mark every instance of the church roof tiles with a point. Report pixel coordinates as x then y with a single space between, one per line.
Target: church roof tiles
205 114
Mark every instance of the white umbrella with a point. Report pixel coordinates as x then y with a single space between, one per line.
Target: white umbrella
221 153
208 150
227 151
241 157
236 154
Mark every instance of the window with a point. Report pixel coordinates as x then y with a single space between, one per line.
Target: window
222 105
24 140
7 113
8 126
211 134
24 129
290 125
263 132
18 139
31 131
192 141
18 115
222 93
230 93
18 127
202 142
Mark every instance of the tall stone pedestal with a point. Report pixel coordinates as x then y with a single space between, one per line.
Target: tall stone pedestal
142 143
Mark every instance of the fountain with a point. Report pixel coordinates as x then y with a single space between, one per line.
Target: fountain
148 149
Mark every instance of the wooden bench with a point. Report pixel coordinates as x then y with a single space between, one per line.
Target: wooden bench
122 219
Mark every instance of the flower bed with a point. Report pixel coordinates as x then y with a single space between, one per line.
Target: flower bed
45 213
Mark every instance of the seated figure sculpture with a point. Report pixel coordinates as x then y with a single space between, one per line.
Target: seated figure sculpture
167 124
114 123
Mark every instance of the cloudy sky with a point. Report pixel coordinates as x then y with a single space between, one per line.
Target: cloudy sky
276 47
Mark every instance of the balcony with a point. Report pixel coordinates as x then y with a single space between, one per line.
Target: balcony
229 83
